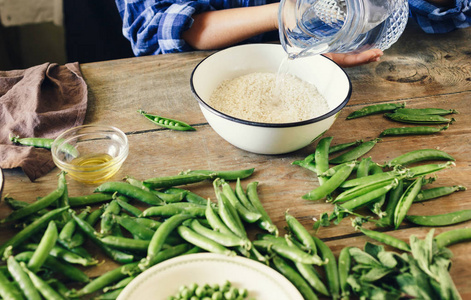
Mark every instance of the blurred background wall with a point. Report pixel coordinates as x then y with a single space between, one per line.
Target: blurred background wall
33 32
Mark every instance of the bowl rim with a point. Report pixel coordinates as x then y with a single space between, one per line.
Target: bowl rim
269 125
59 140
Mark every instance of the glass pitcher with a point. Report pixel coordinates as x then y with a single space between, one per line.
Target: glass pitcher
309 27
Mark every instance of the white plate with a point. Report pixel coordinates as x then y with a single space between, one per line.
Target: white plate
164 279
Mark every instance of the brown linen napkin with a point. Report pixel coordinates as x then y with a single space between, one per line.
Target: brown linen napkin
41 101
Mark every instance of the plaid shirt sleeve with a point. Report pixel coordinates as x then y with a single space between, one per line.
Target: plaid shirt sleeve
433 19
155 27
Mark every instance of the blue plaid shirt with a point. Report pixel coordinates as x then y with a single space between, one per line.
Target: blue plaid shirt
155 26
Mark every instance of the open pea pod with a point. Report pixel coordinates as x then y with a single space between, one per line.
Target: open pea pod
166 122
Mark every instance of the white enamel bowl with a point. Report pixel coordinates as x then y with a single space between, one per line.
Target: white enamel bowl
164 279
269 138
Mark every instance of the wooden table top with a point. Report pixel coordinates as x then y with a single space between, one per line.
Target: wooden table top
421 70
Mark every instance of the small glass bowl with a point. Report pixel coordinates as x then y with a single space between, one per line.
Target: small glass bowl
90 153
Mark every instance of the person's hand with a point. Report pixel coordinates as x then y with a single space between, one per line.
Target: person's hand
347 60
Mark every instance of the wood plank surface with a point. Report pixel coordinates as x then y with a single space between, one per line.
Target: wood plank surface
420 70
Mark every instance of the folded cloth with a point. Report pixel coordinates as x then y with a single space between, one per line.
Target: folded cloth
41 101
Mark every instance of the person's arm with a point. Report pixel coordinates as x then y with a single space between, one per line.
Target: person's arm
222 28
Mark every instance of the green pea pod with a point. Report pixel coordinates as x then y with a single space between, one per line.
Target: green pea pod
45 289
426 111
355 153
106 279
242 196
301 233
227 240
364 167
65 255
331 184
307 163
8 290
406 201
436 192
171 209
418 156
331 269
284 268
343 146
35 206
393 198
453 236
125 244
90 232
167 123
345 262
130 191
57 266
138 230
375 109
43 143
225 175
246 214
367 198
415 130
360 190
23 280
386 239
136 212
418 119
309 273
167 198
229 215
265 221
90 199
203 242
31 229
107 223
321 157
287 251
441 219
159 237
47 242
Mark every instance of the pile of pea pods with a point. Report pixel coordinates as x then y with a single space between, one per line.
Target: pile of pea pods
388 189
140 223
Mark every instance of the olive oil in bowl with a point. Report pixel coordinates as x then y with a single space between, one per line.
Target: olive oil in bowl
93 168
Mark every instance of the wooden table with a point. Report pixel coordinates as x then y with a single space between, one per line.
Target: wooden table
421 70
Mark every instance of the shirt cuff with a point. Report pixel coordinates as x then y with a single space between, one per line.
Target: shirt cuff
177 19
